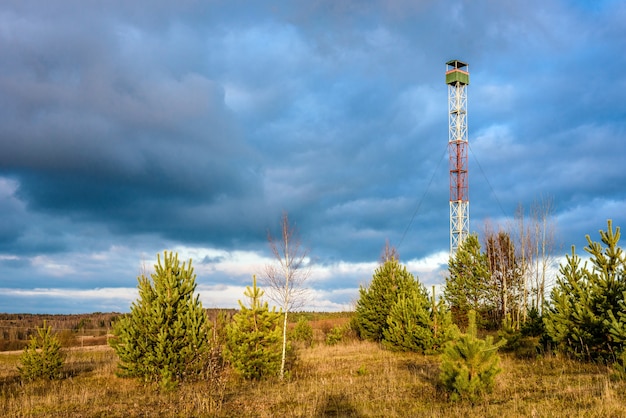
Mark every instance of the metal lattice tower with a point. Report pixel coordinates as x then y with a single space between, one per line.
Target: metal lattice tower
457 79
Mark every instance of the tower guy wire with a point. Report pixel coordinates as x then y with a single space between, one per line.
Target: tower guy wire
421 200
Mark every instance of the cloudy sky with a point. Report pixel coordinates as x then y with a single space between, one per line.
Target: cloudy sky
129 128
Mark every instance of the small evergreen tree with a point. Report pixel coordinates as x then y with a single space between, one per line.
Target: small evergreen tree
375 302
570 288
584 317
469 365
42 358
253 345
335 335
165 337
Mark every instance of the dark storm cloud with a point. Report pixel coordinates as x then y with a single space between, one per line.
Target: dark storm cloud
128 127
100 129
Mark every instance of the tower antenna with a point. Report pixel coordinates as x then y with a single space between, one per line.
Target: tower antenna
457 79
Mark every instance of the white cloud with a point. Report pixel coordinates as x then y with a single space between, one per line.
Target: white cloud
430 270
51 266
342 269
122 293
57 300
496 143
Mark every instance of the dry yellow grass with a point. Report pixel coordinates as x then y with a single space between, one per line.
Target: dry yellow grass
355 379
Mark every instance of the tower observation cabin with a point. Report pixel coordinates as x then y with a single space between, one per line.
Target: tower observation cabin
457 71
457 79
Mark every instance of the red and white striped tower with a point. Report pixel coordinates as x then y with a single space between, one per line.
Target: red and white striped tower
457 79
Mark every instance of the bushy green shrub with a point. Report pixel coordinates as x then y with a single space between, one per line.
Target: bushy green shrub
469 365
362 371
335 335
519 345
42 358
303 332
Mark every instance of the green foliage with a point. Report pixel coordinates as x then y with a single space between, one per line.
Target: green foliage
566 308
361 371
586 317
375 302
335 335
534 326
165 337
254 338
396 310
469 365
467 286
444 328
303 332
42 358
619 367
409 323
520 342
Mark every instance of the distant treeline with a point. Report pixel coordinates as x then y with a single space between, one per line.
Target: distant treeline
92 328
16 329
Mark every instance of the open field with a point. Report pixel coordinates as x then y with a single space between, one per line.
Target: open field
353 379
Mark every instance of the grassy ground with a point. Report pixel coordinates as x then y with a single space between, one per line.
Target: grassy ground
355 379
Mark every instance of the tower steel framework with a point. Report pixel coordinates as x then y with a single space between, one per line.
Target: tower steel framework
457 79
